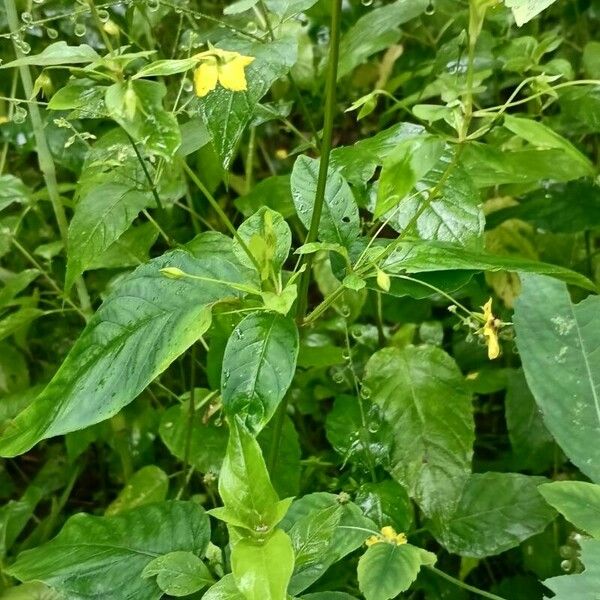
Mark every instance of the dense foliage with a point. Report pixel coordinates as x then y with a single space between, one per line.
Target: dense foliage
298 299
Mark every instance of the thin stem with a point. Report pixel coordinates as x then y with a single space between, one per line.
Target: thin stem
99 25
45 159
330 108
465 586
224 218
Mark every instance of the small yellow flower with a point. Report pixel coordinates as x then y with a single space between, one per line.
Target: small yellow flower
220 66
490 330
387 535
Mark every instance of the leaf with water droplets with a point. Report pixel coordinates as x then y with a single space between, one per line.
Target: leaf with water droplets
258 366
142 326
558 342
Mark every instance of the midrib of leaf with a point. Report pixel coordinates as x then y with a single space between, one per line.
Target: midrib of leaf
585 360
261 357
493 510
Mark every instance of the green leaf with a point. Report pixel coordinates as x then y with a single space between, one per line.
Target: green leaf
137 107
142 326
224 589
421 394
386 570
577 501
340 222
12 190
420 257
533 446
244 484
269 239
403 168
103 557
386 503
149 484
227 113
55 54
161 68
496 512
16 321
557 342
327 596
375 31
239 6
583 586
258 367
288 8
359 162
525 10
540 135
444 205
31 591
304 523
262 570
179 573
273 192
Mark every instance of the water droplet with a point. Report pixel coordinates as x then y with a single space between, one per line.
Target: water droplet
356 332
80 29
323 36
103 15
566 565
24 47
346 356
153 5
345 311
19 115
51 33
38 1
365 392
188 86
430 9
251 27
366 2
27 18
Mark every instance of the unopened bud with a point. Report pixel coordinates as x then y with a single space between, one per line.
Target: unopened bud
172 272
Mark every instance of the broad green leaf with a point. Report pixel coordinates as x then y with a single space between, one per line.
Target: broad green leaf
31 591
262 570
239 6
581 105
328 596
224 589
540 135
12 191
386 503
557 342
302 522
419 257
525 10
533 447
444 205
14 379
577 501
244 485
227 113
137 107
496 511
375 31
149 484
409 162
142 326
359 162
288 8
340 222
130 250
111 192
489 166
273 192
421 394
366 444
103 557
583 586
386 570
160 68
258 367
178 573
55 54
16 321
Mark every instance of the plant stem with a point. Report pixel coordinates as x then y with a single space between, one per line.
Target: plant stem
224 218
45 159
465 586
330 108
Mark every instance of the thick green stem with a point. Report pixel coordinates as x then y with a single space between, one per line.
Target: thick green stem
330 108
45 159
465 586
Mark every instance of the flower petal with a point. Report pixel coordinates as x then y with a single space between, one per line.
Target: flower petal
205 78
232 75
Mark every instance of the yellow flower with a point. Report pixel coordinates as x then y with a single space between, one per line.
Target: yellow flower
220 66
388 535
490 330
